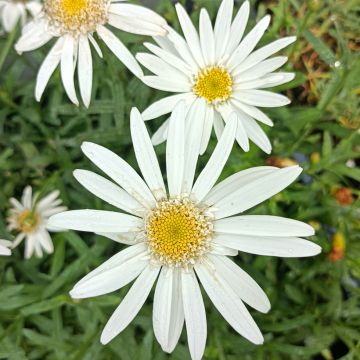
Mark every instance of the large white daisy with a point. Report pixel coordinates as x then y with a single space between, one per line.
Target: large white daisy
220 66
74 23
4 247
183 234
11 11
29 218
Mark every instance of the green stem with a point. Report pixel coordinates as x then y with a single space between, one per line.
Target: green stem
7 47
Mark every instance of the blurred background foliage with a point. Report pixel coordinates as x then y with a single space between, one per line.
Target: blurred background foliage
315 302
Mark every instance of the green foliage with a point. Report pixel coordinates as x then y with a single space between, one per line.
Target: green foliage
315 302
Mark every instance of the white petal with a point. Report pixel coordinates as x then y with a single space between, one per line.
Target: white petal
195 125
237 181
85 69
30 243
26 198
263 225
168 313
207 39
48 201
120 171
222 26
4 247
208 125
175 150
217 161
96 221
48 67
243 284
165 105
256 192
112 275
68 67
160 134
190 34
166 84
228 303
145 155
46 242
122 238
253 112
10 16
95 45
120 50
107 191
269 246
263 98
269 80
195 316
131 304
218 125
277 79
218 249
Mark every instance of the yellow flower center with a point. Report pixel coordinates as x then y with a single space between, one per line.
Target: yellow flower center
178 232
76 16
213 84
27 221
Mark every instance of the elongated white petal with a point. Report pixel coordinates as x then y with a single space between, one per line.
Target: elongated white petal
253 112
121 238
218 249
263 98
120 171
48 67
208 125
120 50
68 67
175 150
131 304
166 105
4 247
256 192
145 155
237 181
45 241
96 221
107 191
207 40
195 316
228 303
85 69
218 125
95 45
160 134
269 245
243 284
277 79
222 26
115 273
26 198
166 84
263 225
217 161
168 312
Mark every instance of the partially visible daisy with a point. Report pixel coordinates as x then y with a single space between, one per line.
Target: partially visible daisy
29 218
5 247
11 11
74 23
220 66
183 233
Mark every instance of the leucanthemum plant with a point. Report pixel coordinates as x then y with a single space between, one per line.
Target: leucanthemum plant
74 24
29 219
183 234
13 11
219 65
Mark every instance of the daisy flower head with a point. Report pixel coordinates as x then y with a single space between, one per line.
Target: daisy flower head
219 65
183 234
74 24
11 11
5 247
29 218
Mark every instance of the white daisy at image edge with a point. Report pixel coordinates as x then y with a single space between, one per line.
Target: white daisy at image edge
220 65
29 218
11 11
184 235
4 247
74 23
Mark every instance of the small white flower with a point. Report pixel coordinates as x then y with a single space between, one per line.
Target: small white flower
4 247
220 66
74 24
183 233
29 218
11 11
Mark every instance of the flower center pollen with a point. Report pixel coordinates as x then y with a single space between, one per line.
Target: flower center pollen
214 84
76 16
27 221
178 232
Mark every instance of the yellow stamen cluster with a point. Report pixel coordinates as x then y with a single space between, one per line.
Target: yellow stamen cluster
178 232
214 84
27 221
76 16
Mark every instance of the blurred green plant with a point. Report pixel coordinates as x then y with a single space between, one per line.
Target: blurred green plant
316 302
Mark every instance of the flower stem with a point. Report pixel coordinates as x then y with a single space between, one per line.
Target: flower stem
7 47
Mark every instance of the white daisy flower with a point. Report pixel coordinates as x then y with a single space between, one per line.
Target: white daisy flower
11 11
4 247
29 218
74 23
184 234
220 66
